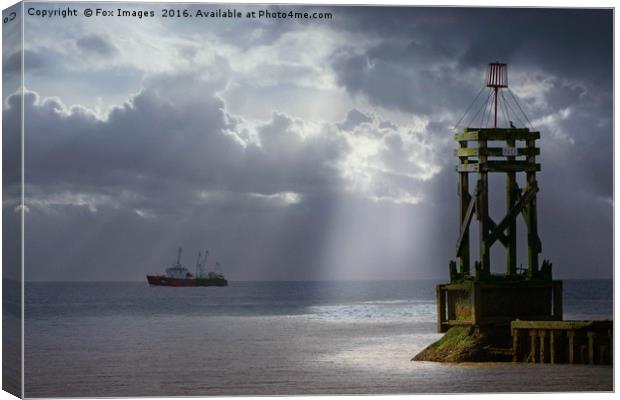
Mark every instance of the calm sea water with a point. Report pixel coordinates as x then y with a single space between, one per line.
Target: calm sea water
129 339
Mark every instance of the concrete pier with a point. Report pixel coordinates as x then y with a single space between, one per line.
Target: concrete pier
569 342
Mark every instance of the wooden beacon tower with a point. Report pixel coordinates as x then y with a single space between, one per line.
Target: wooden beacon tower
475 296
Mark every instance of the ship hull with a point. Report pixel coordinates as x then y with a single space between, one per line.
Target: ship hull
160 280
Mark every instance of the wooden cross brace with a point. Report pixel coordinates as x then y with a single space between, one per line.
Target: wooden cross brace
498 230
465 224
500 234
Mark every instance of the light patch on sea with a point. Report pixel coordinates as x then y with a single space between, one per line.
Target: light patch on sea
391 353
373 311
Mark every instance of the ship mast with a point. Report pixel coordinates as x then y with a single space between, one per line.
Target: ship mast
178 264
198 265
204 261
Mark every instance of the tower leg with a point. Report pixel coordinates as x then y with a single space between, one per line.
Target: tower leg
464 197
511 232
483 211
532 220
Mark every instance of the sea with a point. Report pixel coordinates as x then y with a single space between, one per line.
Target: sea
268 338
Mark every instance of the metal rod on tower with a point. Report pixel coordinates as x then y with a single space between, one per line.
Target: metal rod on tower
497 77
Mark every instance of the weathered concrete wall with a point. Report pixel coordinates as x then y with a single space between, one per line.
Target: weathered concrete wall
497 303
461 306
516 301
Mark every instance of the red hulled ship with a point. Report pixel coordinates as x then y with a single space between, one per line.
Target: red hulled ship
178 275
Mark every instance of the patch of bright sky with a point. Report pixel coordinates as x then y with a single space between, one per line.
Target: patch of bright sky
98 81
289 73
533 87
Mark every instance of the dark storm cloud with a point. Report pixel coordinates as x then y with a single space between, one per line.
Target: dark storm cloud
11 144
32 61
96 44
571 43
381 78
164 147
432 49
353 119
562 40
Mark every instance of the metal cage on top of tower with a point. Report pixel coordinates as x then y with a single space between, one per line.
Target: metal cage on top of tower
497 75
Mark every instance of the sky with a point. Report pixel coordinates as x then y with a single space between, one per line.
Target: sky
300 149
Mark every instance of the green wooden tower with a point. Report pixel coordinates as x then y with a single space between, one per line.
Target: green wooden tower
475 296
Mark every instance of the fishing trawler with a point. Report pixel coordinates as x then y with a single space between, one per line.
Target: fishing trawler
178 275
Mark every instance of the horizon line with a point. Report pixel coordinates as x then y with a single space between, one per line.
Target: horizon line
284 280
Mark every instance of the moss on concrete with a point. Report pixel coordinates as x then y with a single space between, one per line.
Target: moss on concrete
467 344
